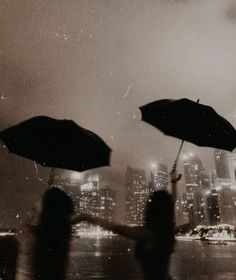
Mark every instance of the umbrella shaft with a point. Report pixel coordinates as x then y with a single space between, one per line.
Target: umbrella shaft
177 158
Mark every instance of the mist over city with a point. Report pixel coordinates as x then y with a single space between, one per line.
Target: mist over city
96 63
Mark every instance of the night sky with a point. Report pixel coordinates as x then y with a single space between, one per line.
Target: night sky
96 62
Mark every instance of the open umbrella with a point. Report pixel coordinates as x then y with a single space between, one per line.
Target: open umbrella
190 121
57 143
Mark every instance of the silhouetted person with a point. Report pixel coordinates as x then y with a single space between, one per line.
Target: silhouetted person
155 240
154 250
52 236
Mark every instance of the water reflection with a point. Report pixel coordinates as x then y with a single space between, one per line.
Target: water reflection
113 259
196 260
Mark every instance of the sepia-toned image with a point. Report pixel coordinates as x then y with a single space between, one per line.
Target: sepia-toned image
117 140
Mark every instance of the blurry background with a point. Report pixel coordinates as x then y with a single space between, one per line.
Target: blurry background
96 62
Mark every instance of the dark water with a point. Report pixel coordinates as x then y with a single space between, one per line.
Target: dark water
113 259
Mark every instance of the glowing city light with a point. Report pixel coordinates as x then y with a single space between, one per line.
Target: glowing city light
153 165
94 232
76 175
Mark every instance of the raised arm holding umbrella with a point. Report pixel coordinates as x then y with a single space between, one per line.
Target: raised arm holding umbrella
190 121
57 144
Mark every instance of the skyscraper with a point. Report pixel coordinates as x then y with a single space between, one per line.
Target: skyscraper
227 203
221 164
107 203
232 166
97 200
213 208
206 180
225 184
181 210
193 171
159 176
89 201
136 195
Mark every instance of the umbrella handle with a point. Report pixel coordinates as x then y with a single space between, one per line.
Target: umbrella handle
177 157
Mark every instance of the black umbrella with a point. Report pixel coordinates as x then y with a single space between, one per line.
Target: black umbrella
190 121
57 143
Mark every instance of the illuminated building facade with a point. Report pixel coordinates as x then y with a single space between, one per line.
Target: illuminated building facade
89 201
159 176
232 166
227 203
225 184
221 164
107 203
213 207
193 172
97 200
210 196
181 210
136 196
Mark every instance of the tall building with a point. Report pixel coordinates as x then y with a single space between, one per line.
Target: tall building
136 195
88 197
227 203
232 166
97 200
205 188
221 164
107 203
159 176
181 210
89 201
213 207
206 180
225 184
193 172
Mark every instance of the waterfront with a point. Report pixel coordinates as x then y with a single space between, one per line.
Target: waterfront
112 258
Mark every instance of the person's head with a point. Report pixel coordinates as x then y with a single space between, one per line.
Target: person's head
159 210
53 235
56 206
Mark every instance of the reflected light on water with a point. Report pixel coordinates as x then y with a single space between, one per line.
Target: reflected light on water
95 232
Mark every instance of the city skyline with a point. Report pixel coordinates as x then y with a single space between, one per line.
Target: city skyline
96 64
204 197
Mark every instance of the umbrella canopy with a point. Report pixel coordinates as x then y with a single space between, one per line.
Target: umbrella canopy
190 121
57 143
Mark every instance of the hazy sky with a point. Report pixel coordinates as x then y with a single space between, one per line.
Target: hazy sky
97 61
